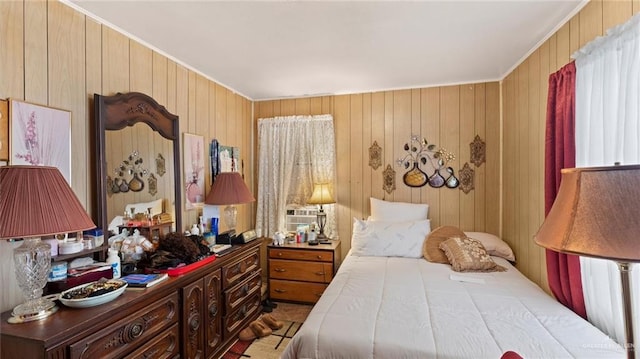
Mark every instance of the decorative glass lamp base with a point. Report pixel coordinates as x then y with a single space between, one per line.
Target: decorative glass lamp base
23 313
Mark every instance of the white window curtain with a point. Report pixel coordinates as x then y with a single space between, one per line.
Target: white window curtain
294 152
608 131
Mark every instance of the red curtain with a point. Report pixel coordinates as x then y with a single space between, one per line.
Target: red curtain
563 270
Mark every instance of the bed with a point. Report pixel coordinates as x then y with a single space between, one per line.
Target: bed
407 307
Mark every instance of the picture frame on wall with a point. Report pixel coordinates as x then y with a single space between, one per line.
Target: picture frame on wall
193 166
40 135
4 130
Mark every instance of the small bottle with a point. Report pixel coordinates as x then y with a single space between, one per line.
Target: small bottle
312 236
195 230
114 260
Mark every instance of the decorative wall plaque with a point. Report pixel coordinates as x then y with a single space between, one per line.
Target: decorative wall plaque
389 180
478 151
160 165
153 184
109 186
375 155
467 178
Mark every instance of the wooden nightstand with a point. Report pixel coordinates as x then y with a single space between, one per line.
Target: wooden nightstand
299 272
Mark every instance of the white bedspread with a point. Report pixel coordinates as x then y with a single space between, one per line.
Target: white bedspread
383 307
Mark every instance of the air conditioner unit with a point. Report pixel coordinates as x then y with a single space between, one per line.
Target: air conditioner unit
302 216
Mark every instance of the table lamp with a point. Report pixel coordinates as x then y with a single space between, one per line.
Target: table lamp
229 189
36 201
596 214
321 195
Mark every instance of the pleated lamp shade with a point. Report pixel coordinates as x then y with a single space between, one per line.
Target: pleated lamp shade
229 188
37 201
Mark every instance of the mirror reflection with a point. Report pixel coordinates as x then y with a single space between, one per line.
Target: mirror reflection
139 162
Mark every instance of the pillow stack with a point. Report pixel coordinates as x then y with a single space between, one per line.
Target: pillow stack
395 229
450 245
399 229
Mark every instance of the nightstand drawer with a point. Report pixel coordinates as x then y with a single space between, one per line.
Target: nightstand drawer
295 291
298 270
303 255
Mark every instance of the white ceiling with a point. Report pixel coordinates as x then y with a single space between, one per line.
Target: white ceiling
269 49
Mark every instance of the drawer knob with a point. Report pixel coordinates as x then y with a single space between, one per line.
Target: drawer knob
280 270
245 289
194 322
319 256
280 290
133 331
279 254
213 310
319 273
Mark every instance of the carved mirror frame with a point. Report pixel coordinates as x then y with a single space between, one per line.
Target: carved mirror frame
119 111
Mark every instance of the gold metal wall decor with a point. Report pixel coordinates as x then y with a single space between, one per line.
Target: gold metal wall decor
132 166
467 178
478 151
375 155
153 184
426 165
160 165
389 179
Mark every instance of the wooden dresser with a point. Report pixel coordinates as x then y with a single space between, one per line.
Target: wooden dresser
195 315
299 272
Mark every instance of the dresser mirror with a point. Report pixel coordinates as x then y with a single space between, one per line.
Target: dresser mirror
133 132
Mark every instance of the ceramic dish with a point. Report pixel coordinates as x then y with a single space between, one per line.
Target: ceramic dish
109 290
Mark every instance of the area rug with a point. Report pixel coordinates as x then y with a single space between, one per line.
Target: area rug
269 347
292 315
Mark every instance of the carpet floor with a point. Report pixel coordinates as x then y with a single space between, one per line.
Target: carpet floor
272 346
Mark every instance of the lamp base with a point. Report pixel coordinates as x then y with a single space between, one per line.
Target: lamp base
230 213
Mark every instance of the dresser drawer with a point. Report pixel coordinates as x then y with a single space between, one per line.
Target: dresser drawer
239 318
128 333
297 270
241 291
236 270
303 255
295 291
164 346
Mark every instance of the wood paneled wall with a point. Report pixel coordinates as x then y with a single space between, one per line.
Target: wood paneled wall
56 56
449 116
524 96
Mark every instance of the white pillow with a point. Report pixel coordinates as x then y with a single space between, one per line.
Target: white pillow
142 207
398 211
389 239
494 245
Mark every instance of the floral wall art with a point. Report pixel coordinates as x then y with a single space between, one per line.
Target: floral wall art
40 135
4 130
194 170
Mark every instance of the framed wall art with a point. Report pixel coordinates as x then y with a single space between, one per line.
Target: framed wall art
4 130
40 135
193 152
